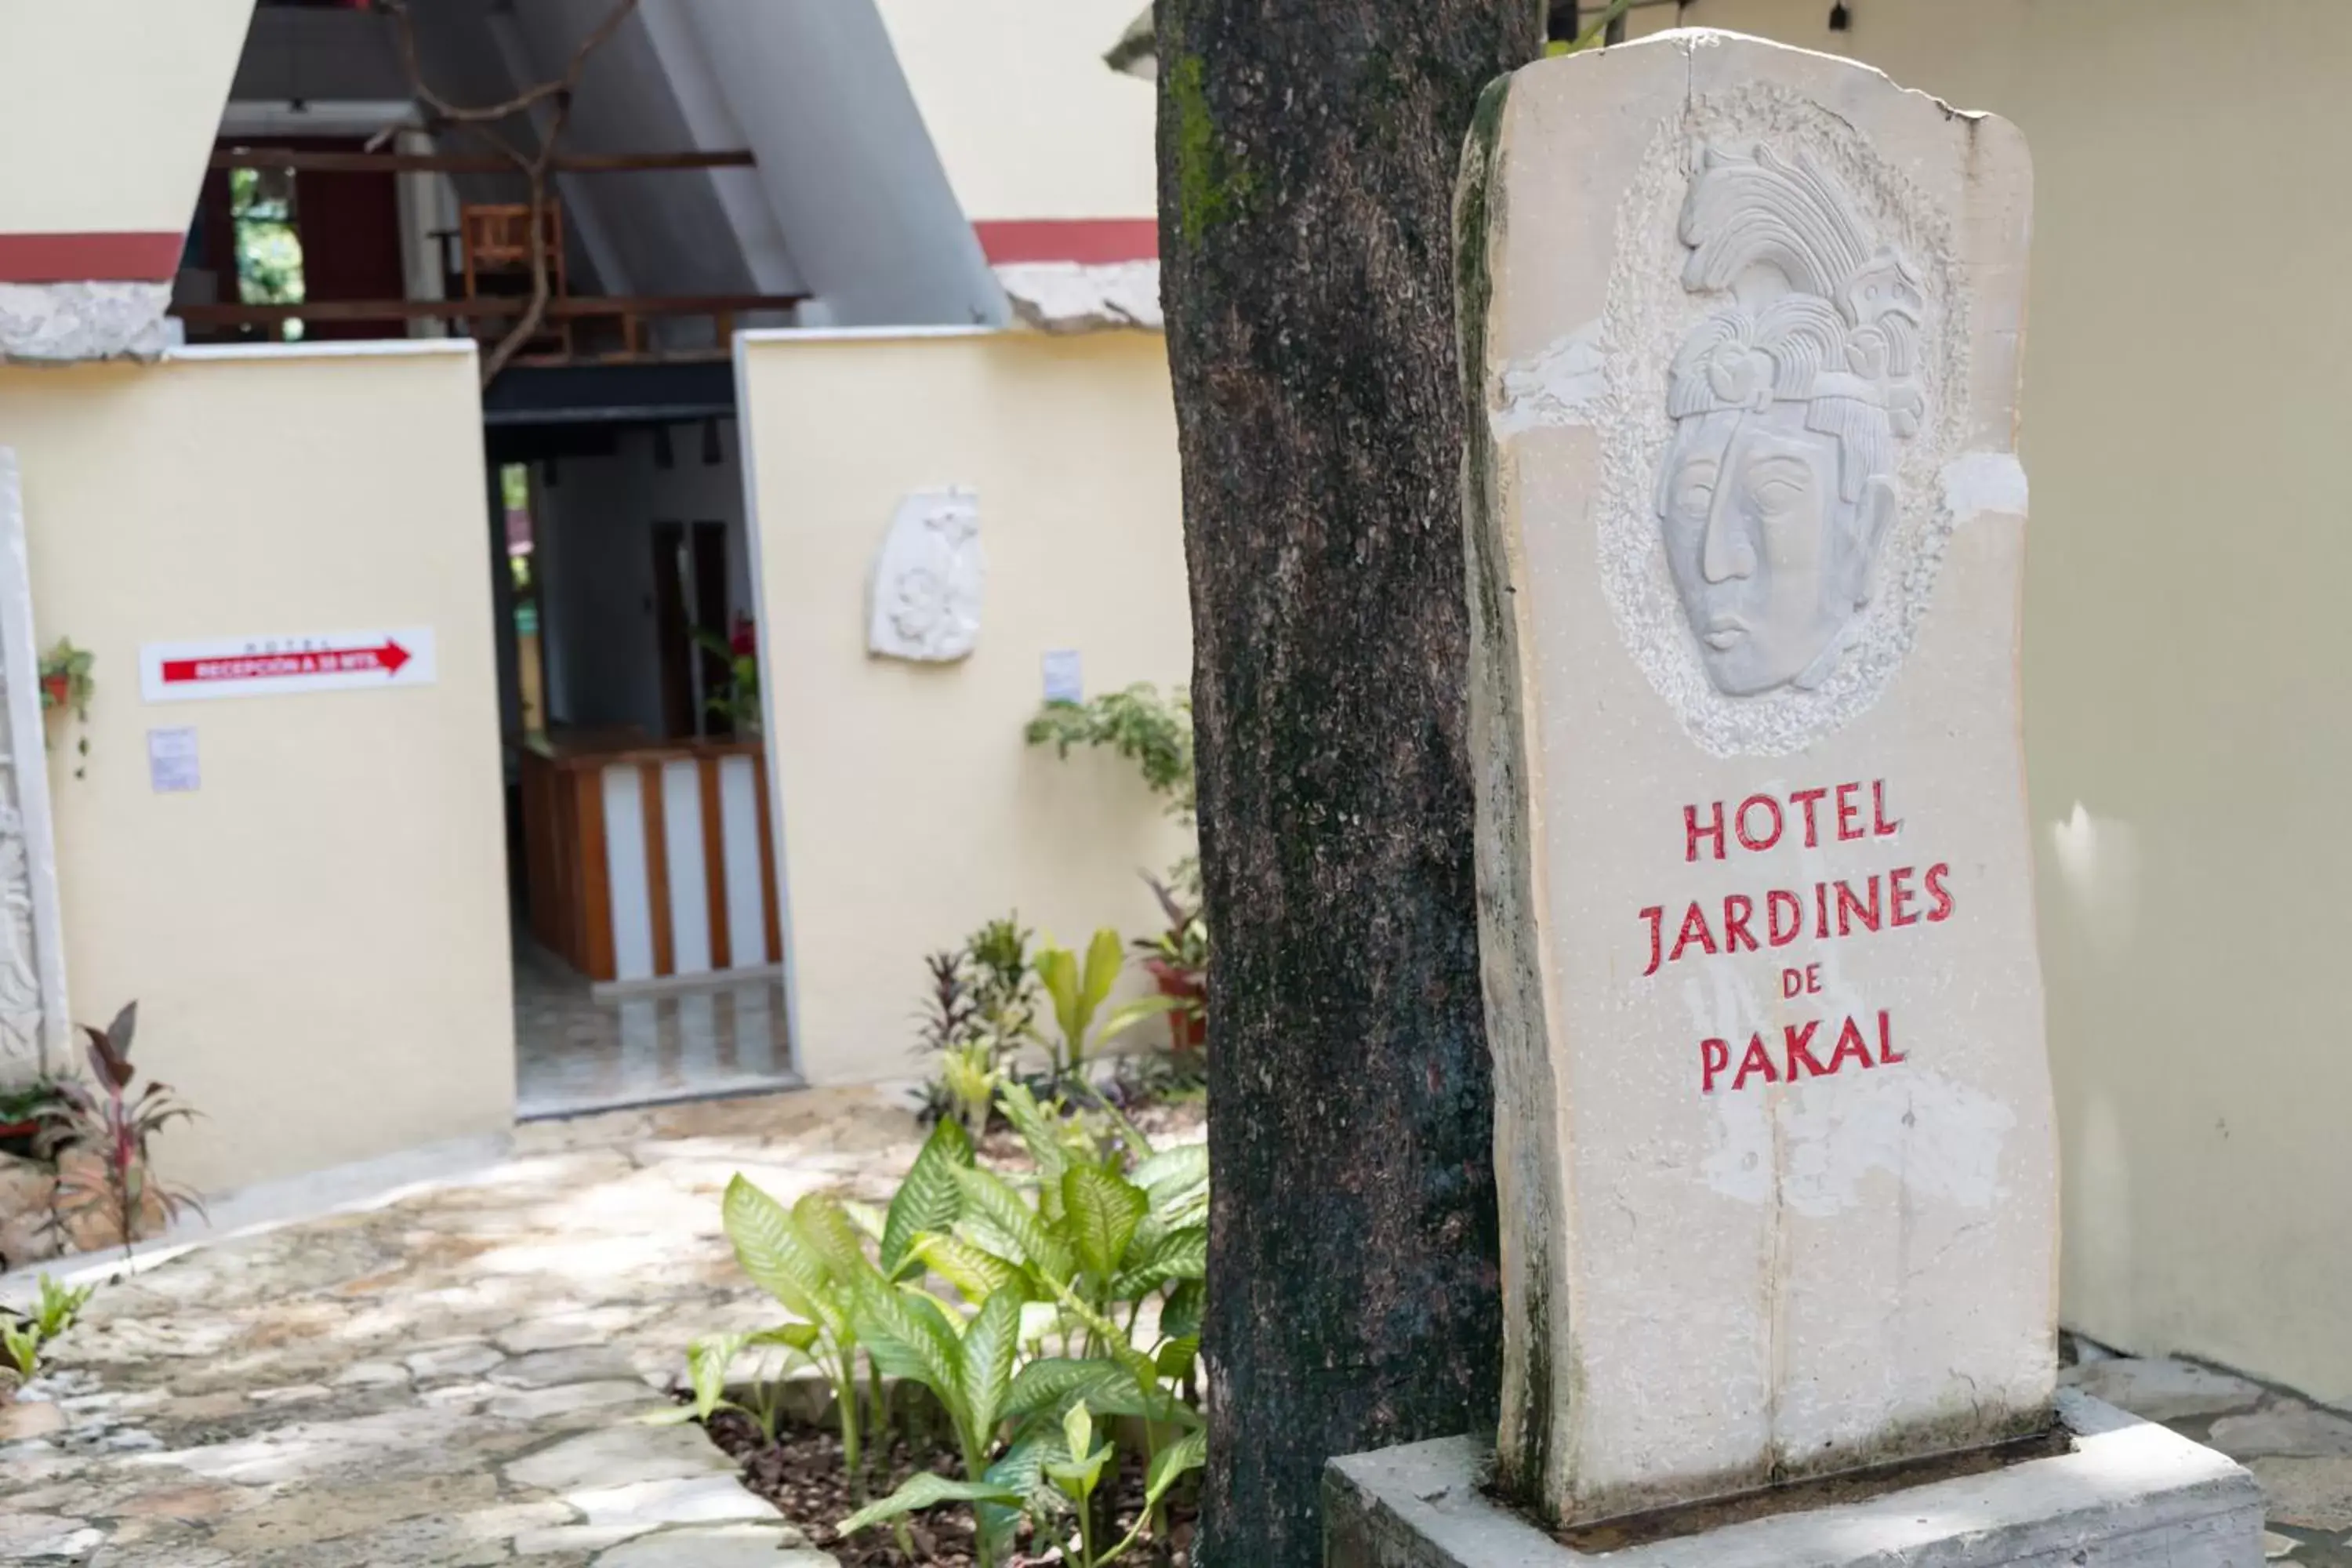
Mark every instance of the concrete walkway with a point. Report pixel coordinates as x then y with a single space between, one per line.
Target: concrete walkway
447 1378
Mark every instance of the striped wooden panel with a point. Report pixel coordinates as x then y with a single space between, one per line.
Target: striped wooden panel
714 865
773 906
649 789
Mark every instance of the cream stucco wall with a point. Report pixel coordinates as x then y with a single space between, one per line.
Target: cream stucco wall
2189 728
1028 120
108 107
317 938
911 809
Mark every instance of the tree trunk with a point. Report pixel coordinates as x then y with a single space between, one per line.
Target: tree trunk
1307 153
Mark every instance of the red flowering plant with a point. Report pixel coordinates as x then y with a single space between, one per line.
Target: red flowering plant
737 698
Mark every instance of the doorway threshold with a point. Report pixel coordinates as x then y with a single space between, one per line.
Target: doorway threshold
575 1052
561 1108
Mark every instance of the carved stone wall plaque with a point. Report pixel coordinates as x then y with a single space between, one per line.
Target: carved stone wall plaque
35 1027
927 578
1773 1118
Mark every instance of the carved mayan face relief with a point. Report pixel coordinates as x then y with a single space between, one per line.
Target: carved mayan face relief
1779 485
1778 380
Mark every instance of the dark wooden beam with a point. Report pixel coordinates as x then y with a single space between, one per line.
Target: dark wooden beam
306 162
482 310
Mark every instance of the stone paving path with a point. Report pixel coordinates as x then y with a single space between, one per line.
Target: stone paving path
2301 1454
451 1377
448 1379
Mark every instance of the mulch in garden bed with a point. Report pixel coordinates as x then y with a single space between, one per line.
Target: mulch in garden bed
802 1475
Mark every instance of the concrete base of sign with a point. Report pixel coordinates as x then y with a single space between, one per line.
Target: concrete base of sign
2131 1494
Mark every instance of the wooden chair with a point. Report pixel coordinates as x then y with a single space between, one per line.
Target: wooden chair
495 247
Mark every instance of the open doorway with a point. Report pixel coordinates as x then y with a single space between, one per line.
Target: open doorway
647 924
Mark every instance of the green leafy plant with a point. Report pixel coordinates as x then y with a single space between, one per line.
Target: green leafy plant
115 1125
1153 732
1077 1476
969 1075
1013 1305
965 1082
20 1343
708 1361
808 1258
1003 983
1077 992
23 1339
812 1257
978 1011
66 687
60 1305
737 700
24 1113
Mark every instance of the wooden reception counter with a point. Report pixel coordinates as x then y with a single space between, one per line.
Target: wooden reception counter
650 860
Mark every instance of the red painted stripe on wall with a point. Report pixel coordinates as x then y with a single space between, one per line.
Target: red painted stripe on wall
1094 241
99 258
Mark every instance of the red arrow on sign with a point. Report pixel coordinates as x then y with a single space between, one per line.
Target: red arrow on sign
388 657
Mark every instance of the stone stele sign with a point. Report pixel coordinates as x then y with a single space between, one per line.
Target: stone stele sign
1742 326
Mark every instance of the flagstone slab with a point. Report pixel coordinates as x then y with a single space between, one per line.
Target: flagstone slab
457 1377
2162 1389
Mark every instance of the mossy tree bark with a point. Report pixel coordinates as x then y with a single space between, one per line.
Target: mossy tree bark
1307 155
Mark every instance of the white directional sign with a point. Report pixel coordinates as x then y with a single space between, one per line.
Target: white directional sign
266 666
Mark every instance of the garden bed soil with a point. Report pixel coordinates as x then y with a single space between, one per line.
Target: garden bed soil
802 1475
1167 1122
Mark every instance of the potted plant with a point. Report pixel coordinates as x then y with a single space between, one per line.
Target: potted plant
1177 959
738 701
66 684
24 1112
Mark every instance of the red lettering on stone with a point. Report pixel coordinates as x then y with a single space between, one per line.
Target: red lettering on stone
1851 909
1879 826
1887 1054
1821 911
1714 1056
1814 978
1850 1045
1739 822
1849 812
1694 930
1939 906
1792 983
1798 1040
1899 898
1738 908
1777 900
1657 918
1757 1059
1809 798
1694 832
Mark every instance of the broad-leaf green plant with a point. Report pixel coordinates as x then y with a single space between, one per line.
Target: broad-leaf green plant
797 1255
1077 990
972 1278
709 1359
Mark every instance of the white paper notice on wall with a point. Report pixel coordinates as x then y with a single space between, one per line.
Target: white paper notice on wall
275 664
1065 679
172 767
